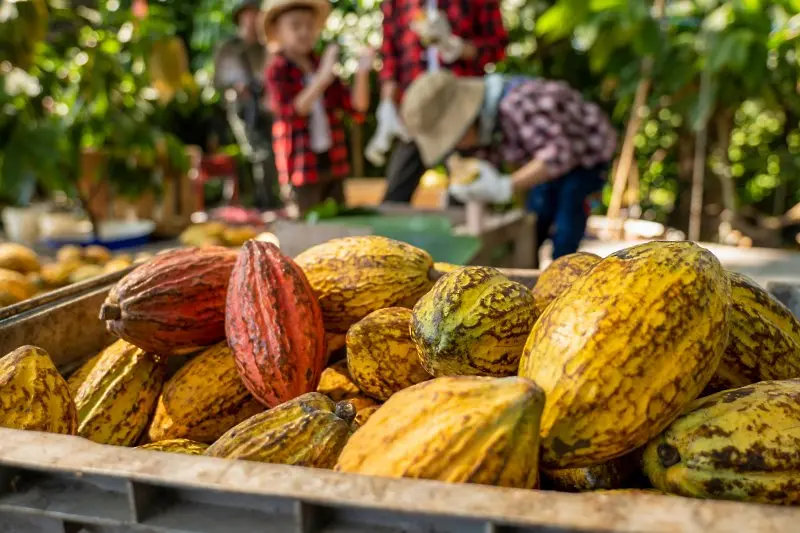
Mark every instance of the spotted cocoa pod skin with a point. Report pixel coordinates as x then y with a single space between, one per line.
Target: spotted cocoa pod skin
203 400
611 475
741 444
558 277
118 393
184 446
33 395
274 325
309 430
764 343
381 356
175 303
624 350
354 276
473 322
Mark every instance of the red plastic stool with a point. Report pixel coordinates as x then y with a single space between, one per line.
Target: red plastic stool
216 167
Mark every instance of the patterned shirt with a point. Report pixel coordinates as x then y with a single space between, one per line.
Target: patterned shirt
476 21
551 122
291 136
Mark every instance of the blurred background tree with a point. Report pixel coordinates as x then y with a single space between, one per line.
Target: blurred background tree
724 72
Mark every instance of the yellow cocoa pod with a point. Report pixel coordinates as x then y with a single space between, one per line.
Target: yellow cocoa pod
57 274
334 342
764 342
336 383
33 395
381 356
69 254
15 287
625 349
186 446
84 272
355 276
740 444
116 397
203 400
200 234
96 255
309 430
238 236
623 492
605 476
18 258
473 322
463 430
463 170
116 264
559 276
446 268
362 415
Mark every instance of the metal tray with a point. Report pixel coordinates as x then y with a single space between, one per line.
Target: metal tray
55 483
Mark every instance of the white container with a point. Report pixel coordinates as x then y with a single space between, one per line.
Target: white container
22 223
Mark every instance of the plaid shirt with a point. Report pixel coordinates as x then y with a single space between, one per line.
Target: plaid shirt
476 21
291 138
551 122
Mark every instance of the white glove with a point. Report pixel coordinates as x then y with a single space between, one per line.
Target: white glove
389 128
451 49
490 187
432 29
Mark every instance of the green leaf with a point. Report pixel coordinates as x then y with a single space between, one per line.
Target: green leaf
749 5
719 19
647 40
555 23
606 5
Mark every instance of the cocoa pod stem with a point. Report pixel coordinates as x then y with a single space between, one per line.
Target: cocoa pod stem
346 411
434 274
110 312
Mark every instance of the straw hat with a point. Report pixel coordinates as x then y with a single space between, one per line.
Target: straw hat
272 9
437 111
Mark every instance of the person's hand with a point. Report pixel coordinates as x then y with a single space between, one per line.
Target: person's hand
491 186
432 29
366 59
451 49
389 128
327 62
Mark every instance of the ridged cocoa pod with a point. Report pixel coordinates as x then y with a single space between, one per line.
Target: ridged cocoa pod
381 356
274 325
175 303
310 430
362 415
33 395
203 400
764 342
184 446
337 384
355 276
610 475
117 394
473 322
559 276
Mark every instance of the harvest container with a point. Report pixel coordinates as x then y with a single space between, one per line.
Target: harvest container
55 483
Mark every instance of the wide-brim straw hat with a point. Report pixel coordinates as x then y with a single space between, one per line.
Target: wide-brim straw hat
437 111
272 9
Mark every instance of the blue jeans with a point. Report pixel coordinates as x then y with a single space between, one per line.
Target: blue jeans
562 203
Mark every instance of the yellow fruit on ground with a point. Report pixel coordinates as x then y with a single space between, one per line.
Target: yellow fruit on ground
69 254
116 396
202 234
186 446
625 349
117 264
203 400
18 258
56 275
381 356
33 395
473 322
560 275
355 276
764 342
460 430
307 431
740 444
237 236
15 287
96 255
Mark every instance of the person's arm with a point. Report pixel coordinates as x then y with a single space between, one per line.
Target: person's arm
488 44
322 79
530 175
360 95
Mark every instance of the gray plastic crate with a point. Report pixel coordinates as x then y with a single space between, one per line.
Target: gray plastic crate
55 483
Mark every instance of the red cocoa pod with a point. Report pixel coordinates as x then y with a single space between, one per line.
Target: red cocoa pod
274 325
175 303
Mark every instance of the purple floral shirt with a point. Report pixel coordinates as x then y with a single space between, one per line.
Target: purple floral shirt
550 121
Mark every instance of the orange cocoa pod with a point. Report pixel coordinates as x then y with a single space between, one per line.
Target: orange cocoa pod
274 325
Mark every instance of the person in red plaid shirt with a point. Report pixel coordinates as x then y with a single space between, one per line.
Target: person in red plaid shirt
559 145
422 36
307 100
